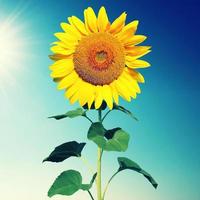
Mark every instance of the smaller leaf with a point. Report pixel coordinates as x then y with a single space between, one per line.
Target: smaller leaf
110 133
88 186
67 183
119 141
96 134
65 151
125 163
71 114
124 110
109 140
96 128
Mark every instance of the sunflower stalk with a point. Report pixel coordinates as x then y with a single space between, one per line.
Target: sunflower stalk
99 158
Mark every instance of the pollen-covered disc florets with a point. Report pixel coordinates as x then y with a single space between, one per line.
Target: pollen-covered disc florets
99 58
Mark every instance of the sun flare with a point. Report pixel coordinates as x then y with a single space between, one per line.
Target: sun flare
12 50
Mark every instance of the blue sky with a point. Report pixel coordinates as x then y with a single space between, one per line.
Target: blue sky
165 141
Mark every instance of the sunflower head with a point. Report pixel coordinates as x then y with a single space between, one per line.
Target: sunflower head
96 61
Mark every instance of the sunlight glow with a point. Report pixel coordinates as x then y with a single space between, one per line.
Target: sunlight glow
12 50
10 44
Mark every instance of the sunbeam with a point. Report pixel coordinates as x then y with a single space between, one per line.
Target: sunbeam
13 48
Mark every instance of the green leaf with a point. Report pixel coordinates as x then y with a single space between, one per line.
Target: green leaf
65 151
125 163
96 134
124 110
119 142
88 186
71 114
67 183
109 140
111 132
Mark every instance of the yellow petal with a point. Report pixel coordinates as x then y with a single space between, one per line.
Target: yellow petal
85 92
90 20
91 100
137 50
102 20
132 83
129 87
114 93
78 24
98 97
62 64
56 57
118 24
132 58
137 64
74 98
135 75
65 37
61 50
128 31
73 89
134 40
66 45
69 29
122 90
107 95
68 80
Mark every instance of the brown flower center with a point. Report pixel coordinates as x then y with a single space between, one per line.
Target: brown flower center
99 58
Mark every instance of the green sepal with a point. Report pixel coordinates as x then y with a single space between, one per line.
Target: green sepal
65 151
71 114
68 183
102 107
124 110
125 163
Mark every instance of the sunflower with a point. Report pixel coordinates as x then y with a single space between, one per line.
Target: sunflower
96 61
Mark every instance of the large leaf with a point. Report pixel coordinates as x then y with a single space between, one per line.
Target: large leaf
125 163
109 140
65 151
71 114
88 186
124 110
119 141
67 183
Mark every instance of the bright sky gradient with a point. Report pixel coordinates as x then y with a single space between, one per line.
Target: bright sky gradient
165 141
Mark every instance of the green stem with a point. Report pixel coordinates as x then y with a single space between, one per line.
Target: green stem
106 188
87 118
99 174
100 115
106 115
99 156
90 195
